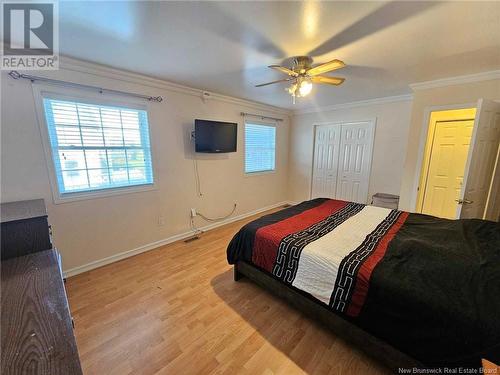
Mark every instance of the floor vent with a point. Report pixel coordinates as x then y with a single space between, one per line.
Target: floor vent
191 239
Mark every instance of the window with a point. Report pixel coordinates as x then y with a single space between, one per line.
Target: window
260 147
97 147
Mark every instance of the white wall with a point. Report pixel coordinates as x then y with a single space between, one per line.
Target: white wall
391 136
90 230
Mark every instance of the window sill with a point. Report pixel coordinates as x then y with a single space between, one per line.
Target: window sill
251 174
104 193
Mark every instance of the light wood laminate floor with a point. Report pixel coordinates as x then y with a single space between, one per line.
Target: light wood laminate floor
177 310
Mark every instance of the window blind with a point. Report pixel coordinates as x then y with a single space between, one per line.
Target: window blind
97 147
260 148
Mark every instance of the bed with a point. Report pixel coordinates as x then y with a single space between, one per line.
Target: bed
410 289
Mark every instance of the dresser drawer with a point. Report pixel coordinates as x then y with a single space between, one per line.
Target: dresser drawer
24 228
25 237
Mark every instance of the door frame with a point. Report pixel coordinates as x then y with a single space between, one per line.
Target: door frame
422 142
493 202
372 123
434 118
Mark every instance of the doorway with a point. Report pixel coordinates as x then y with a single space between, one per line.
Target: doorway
445 157
342 160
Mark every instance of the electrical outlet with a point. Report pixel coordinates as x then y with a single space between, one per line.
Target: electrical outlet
161 220
193 212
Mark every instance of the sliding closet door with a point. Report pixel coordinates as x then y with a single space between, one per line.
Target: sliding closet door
356 146
325 163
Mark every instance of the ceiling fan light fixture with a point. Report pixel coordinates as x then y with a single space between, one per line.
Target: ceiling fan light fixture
302 75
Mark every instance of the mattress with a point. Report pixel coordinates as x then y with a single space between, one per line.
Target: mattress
426 285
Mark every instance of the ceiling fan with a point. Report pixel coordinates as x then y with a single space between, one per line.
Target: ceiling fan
302 75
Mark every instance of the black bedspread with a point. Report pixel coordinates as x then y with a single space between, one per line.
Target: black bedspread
436 293
428 286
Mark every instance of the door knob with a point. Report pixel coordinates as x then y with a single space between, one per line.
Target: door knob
463 201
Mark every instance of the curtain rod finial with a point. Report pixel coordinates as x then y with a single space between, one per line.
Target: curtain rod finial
15 74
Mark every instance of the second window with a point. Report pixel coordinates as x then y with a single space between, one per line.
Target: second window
260 147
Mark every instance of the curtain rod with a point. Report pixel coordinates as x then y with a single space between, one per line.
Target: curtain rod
16 75
261 117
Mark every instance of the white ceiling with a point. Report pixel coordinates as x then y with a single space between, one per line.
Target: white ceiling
224 47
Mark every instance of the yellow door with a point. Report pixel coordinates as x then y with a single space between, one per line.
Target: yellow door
445 171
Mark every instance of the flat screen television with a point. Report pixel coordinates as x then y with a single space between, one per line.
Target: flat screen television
215 136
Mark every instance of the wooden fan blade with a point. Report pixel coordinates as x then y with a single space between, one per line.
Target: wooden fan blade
282 69
273 82
328 80
326 67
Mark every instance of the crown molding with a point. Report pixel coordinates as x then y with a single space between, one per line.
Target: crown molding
458 80
76 65
360 103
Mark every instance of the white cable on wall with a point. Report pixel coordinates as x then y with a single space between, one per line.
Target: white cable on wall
217 218
200 194
197 178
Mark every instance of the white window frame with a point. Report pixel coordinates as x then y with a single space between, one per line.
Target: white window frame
258 173
42 91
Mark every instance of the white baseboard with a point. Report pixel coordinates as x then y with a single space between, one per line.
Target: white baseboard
153 245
